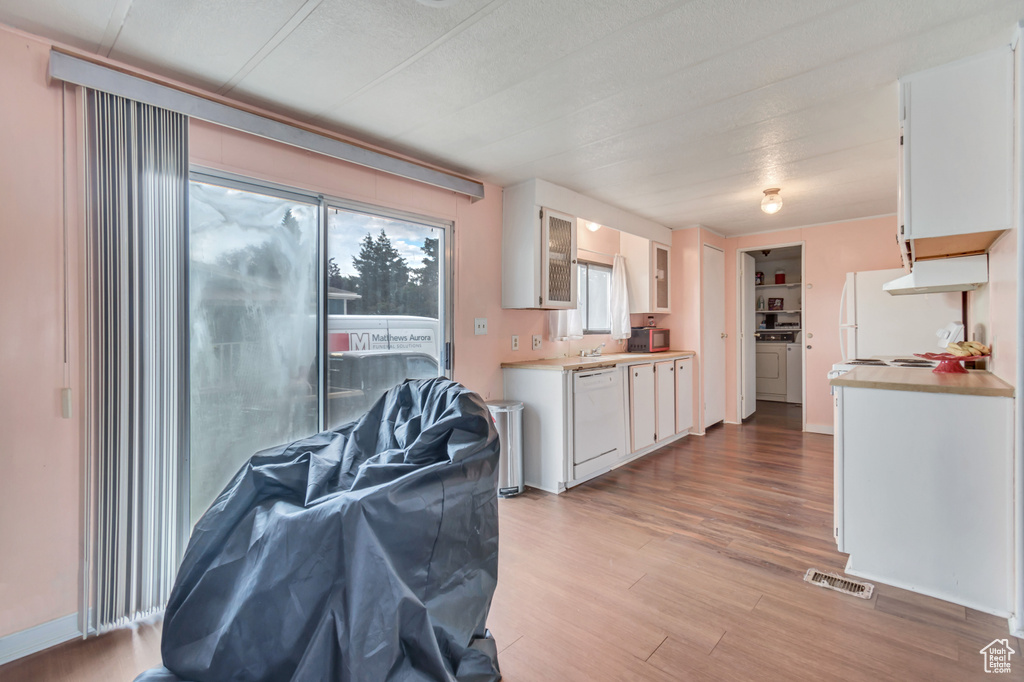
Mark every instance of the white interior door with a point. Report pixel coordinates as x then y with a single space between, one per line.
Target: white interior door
714 335
748 378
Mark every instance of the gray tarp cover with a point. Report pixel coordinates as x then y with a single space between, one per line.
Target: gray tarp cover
365 553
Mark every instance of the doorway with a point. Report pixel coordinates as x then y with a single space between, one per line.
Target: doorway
770 309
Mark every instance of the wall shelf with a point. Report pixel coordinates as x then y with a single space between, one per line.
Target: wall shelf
762 312
788 284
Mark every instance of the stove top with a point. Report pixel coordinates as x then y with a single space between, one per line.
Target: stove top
893 361
911 362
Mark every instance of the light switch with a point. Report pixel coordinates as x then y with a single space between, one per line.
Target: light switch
480 325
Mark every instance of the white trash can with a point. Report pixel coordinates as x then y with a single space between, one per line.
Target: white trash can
508 419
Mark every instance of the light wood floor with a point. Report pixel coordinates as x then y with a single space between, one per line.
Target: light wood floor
686 565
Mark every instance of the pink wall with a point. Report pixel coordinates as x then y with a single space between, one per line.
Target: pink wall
39 456
830 251
686 319
40 504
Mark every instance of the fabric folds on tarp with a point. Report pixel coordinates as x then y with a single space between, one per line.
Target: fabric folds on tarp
361 554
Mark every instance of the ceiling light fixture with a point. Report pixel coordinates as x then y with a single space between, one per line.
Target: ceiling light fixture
593 227
772 202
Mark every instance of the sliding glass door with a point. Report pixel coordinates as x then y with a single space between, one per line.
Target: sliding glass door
303 312
386 296
253 305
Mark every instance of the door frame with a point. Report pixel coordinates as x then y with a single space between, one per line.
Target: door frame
803 322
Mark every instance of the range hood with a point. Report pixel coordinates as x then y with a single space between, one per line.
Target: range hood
942 274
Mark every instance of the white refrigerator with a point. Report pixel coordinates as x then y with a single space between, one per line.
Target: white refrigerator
873 322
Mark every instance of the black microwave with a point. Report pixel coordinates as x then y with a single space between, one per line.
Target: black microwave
647 340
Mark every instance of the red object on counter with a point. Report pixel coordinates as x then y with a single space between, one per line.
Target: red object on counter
949 363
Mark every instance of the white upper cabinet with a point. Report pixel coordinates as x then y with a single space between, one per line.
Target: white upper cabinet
538 254
539 249
647 274
956 172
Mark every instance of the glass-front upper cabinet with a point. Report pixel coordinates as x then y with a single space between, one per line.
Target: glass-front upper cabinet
538 249
660 257
558 262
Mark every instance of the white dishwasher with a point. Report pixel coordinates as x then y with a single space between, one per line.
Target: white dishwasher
598 423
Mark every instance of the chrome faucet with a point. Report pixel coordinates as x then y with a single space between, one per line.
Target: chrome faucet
595 353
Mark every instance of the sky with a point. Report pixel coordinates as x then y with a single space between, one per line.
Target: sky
346 229
224 219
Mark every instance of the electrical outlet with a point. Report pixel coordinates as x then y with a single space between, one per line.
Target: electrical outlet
515 342
536 341
480 325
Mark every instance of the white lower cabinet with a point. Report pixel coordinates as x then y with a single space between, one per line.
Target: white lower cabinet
642 405
546 396
924 492
660 401
665 400
684 395
574 429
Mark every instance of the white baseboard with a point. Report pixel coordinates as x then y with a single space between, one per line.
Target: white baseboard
1016 627
557 491
937 594
820 428
42 636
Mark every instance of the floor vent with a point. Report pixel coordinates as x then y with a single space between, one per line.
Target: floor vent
839 583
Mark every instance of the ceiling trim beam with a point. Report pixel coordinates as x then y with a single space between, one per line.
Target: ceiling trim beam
268 47
114 25
70 69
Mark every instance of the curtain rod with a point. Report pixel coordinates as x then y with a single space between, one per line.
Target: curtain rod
78 71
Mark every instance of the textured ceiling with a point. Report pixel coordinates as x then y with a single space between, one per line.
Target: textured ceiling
681 112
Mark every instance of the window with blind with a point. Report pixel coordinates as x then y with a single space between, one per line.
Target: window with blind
594 299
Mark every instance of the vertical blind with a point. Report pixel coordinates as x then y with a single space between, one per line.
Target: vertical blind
137 362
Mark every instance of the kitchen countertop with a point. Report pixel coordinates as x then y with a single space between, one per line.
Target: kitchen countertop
607 360
975 382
